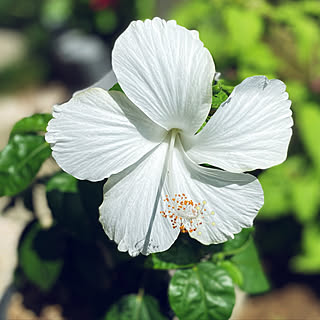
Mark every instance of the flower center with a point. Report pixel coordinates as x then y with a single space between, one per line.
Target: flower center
184 213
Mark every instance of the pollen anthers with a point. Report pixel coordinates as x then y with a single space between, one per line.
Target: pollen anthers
184 213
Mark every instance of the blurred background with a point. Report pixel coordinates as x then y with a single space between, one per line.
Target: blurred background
50 48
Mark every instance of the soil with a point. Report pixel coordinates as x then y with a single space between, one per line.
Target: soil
293 302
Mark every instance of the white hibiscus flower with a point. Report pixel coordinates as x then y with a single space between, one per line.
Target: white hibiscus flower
144 141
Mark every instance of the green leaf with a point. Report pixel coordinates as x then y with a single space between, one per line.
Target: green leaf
135 307
33 124
233 271
220 93
184 253
180 255
40 255
204 292
67 207
62 182
238 241
254 280
20 161
233 246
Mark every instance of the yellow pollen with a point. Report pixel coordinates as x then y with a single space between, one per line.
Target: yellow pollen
199 233
213 223
212 212
204 202
198 208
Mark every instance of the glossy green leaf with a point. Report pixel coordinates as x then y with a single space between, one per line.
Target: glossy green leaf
233 271
254 279
36 123
135 307
40 255
20 161
204 292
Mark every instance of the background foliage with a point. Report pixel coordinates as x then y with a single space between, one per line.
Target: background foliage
280 39
73 260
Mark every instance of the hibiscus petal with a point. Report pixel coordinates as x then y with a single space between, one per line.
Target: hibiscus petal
130 212
97 134
251 130
227 201
164 69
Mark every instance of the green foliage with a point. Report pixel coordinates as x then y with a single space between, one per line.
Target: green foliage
244 34
180 255
106 21
20 161
308 123
135 307
309 260
24 154
56 12
233 271
184 253
145 9
277 183
306 197
204 292
279 39
240 259
254 280
36 123
68 209
40 255
62 182
240 240
25 73
220 93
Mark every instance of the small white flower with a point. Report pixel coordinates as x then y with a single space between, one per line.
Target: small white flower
145 141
